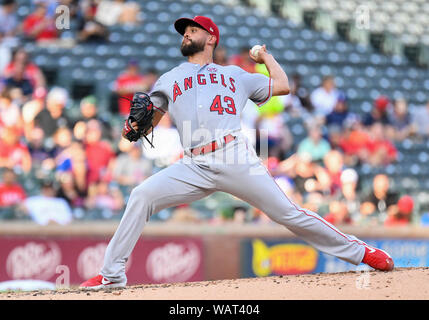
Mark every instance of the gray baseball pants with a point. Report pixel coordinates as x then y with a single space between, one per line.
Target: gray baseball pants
235 169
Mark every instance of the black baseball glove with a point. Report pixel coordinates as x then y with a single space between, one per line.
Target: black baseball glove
141 112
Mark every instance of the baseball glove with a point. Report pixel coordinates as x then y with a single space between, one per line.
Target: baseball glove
141 111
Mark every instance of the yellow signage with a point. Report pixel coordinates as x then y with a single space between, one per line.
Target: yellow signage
291 258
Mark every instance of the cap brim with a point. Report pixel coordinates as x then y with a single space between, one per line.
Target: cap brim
181 24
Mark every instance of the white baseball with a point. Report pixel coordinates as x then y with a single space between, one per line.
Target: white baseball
255 50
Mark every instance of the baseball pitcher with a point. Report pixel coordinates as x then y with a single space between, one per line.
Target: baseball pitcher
205 101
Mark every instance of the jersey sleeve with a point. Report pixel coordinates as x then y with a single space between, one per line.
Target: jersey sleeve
158 97
259 87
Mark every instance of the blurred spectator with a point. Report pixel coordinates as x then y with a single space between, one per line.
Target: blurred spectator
167 141
51 5
104 197
325 97
339 114
400 119
131 167
302 93
89 111
128 83
31 71
314 144
11 193
89 29
31 109
297 102
380 151
38 150
272 165
275 105
220 56
63 138
88 108
38 25
259 217
69 191
379 112
5 54
19 83
305 173
288 187
152 76
99 153
232 211
53 117
420 119
274 132
239 215
10 114
88 5
184 213
8 18
114 12
331 178
314 201
285 183
338 214
73 159
334 136
292 104
73 5
354 142
13 153
47 208
243 60
130 12
379 203
403 213
349 192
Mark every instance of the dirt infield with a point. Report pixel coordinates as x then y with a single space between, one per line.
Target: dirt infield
400 284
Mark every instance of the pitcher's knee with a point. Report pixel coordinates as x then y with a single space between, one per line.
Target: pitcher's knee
141 193
140 200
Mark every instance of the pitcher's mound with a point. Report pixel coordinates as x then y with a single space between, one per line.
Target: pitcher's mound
402 283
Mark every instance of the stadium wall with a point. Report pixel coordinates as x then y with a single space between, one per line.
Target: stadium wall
171 252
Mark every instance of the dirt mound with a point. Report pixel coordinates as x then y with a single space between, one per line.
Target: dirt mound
402 283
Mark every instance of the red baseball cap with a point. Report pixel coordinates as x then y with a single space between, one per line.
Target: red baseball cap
201 21
406 204
381 103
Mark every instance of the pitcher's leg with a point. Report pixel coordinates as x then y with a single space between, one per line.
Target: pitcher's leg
260 190
172 186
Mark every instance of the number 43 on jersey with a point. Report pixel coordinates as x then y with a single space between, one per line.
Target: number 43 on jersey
219 103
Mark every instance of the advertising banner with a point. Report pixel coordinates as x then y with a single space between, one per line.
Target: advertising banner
268 257
74 260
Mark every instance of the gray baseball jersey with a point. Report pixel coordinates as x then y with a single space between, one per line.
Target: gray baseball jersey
205 103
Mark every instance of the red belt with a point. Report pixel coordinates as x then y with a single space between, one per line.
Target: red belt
212 146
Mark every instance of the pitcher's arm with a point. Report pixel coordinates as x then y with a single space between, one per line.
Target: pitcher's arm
277 74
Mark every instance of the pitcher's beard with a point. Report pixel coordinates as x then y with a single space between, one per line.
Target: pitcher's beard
191 48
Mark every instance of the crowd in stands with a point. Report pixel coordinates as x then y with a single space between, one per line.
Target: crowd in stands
46 20
60 160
